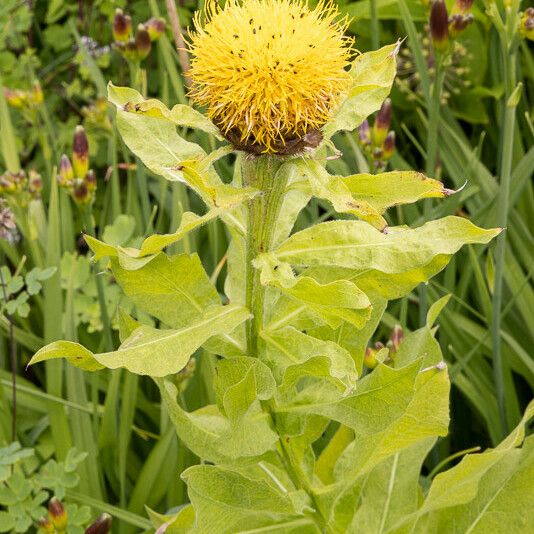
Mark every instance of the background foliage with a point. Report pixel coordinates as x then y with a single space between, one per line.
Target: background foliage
53 291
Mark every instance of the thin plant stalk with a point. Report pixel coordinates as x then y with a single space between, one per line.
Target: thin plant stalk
508 131
13 363
375 27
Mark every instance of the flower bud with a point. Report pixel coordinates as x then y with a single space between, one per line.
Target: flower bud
439 25
80 193
45 526
102 525
389 146
66 174
15 97
35 184
382 123
129 50
365 133
80 152
90 180
395 339
122 26
458 23
57 514
369 358
462 6
142 42
35 96
155 28
526 24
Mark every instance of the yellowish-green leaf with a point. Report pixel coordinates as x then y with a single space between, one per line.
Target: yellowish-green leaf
357 245
156 142
152 245
287 349
335 301
174 289
471 496
213 437
148 351
372 74
227 501
131 101
381 191
436 309
315 181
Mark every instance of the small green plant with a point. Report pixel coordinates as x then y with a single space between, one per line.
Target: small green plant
16 290
300 438
26 488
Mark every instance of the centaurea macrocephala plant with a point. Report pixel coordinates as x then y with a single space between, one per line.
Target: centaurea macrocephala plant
277 79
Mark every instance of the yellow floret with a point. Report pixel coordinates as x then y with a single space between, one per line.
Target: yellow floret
269 71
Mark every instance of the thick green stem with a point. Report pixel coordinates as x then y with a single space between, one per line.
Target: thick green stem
263 211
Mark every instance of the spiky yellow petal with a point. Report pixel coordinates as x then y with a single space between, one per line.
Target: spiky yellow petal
269 72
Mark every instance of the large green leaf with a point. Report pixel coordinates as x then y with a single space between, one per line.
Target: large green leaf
367 196
388 189
288 351
148 351
377 284
214 437
240 382
488 492
174 289
155 141
372 77
353 340
133 258
368 410
227 501
334 301
317 182
389 492
357 245
132 101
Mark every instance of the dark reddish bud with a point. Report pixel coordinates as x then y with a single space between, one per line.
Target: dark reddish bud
90 180
129 50
101 526
383 119
57 514
395 339
80 193
35 183
66 174
382 123
155 27
80 152
142 42
439 25
463 6
458 23
365 133
389 146
526 24
45 527
122 26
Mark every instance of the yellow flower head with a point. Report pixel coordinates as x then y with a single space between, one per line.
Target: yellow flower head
269 72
